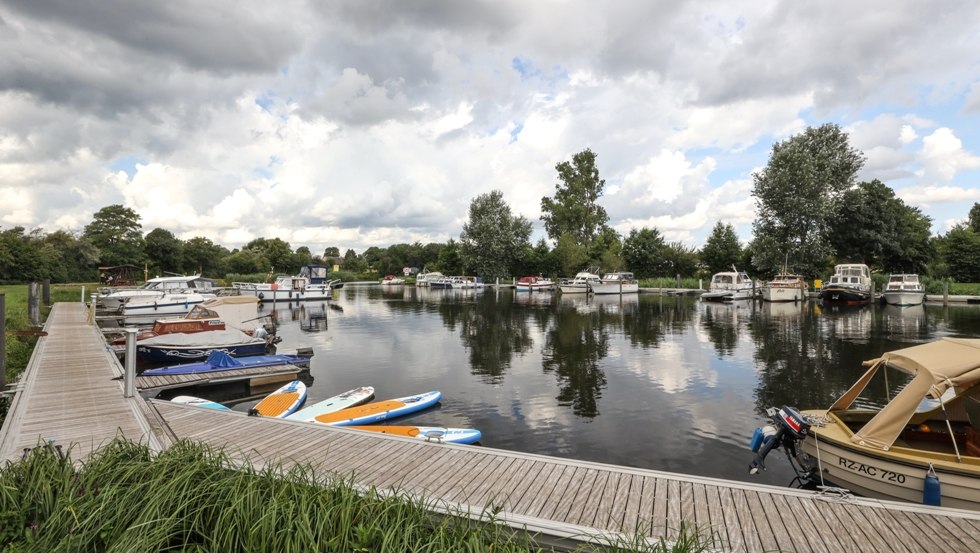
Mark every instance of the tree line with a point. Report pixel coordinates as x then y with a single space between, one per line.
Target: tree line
812 214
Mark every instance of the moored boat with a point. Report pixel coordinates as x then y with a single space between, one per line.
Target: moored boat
310 284
730 286
425 278
217 361
850 285
145 310
392 280
615 283
534 284
114 298
903 290
170 348
580 283
922 446
784 287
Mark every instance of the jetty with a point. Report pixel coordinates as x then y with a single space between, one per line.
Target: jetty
69 396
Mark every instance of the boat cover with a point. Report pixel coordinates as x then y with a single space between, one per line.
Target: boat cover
210 338
935 367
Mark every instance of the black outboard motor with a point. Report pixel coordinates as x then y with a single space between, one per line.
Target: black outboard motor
788 428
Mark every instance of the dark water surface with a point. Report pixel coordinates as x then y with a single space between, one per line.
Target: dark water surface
665 383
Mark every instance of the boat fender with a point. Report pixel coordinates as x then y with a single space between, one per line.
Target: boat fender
931 494
253 412
261 295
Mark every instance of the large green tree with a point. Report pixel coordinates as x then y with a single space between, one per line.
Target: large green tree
164 251
643 252
721 250
117 232
871 225
974 218
796 195
493 239
960 249
202 255
575 207
570 256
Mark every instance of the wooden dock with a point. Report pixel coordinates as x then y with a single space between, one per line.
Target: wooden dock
69 394
255 377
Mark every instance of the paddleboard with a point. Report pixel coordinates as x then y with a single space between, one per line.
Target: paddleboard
428 433
379 410
191 400
350 398
282 402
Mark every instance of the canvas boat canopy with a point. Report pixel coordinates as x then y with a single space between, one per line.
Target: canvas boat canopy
936 367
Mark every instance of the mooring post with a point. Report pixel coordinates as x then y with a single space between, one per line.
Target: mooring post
945 293
3 340
83 294
91 309
33 305
129 376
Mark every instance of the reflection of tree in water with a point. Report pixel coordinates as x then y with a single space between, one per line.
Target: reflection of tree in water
654 318
573 348
810 359
721 322
491 331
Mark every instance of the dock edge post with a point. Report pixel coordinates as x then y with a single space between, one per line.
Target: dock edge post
129 374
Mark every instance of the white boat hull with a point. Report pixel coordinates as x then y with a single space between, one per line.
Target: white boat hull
314 292
615 288
781 294
574 288
903 298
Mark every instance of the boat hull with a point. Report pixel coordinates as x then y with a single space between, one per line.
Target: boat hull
903 298
311 293
574 288
845 296
615 288
174 353
892 475
787 294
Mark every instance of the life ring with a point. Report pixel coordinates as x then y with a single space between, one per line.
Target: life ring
261 295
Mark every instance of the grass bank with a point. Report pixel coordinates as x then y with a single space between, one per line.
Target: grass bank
125 498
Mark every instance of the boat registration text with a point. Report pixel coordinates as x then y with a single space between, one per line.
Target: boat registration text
871 471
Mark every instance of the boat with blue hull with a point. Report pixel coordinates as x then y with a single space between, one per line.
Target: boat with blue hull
170 348
221 361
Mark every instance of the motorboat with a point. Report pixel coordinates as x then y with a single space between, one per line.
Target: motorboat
169 348
580 283
425 278
615 283
113 298
922 445
729 286
146 310
311 283
850 285
454 283
214 314
392 280
903 290
785 287
534 284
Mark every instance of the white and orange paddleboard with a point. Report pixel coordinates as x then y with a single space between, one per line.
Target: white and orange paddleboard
379 410
191 400
282 402
350 398
428 433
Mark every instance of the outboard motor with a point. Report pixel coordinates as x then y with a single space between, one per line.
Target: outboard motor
787 429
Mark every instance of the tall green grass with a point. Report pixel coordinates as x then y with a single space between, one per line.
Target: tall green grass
189 498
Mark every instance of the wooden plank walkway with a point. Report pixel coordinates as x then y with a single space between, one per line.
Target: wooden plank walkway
67 392
152 385
568 498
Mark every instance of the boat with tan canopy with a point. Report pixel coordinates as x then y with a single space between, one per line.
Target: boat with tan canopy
922 445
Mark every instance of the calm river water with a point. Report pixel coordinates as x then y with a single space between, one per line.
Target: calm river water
666 383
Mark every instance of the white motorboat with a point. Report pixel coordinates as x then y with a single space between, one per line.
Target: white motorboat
580 283
392 280
534 284
922 446
616 283
904 289
784 287
113 298
425 278
144 310
730 286
310 284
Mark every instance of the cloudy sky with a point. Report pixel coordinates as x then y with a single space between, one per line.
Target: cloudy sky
366 123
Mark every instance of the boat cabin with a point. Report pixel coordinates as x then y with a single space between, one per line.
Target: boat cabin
851 274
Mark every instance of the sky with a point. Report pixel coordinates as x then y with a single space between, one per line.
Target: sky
364 123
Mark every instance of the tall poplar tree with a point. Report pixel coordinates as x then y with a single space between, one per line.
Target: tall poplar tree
493 239
796 195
